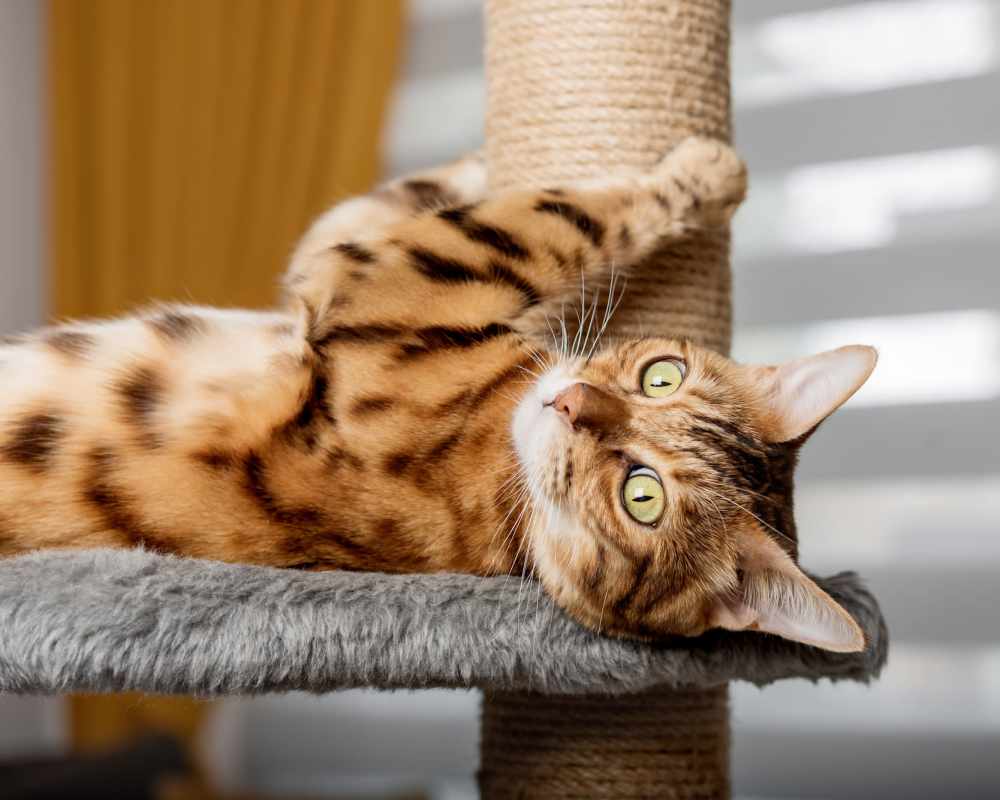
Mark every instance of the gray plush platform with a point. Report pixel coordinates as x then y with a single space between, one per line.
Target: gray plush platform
121 620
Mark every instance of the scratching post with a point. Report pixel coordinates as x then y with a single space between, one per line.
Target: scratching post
578 89
581 88
661 743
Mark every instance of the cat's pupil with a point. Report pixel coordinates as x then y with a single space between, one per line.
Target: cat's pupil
659 380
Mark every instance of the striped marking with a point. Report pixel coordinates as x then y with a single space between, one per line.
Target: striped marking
446 270
33 441
623 602
505 275
497 239
594 577
255 485
685 189
359 334
441 269
437 338
355 252
371 405
140 392
114 508
74 344
591 228
176 326
427 195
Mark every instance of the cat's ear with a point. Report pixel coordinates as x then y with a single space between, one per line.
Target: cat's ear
799 395
775 596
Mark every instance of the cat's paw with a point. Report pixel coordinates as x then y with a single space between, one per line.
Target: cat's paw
705 179
465 178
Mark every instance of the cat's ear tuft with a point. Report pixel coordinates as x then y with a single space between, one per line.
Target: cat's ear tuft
800 394
775 596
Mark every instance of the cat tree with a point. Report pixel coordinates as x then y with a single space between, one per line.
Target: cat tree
576 87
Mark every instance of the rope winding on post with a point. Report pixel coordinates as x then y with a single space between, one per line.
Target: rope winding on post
578 89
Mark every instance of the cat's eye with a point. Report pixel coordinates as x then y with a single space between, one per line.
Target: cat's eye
642 495
662 378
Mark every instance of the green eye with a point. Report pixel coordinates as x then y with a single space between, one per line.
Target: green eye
662 378
642 495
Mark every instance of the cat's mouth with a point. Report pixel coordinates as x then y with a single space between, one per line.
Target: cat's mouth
538 430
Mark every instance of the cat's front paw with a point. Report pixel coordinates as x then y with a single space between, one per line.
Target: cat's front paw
705 179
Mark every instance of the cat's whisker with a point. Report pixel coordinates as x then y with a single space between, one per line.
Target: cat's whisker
505 486
502 554
621 284
516 485
743 490
504 550
592 313
609 309
524 569
518 503
564 350
580 317
525 508
514 499
540 361
530 372
517 500
537 633
722 518
552 333
604 605
509 463
584 324
585 318
746 510
537 358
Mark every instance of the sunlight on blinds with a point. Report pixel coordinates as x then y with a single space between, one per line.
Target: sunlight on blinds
862 47
923 358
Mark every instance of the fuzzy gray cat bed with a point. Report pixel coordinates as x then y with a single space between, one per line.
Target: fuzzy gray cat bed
566 712
116 620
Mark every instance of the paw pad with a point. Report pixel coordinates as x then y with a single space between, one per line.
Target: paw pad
707 173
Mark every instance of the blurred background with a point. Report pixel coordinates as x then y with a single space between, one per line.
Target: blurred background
176 148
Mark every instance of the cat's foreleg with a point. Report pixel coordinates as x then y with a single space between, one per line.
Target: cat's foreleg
516 256
367 217
581 235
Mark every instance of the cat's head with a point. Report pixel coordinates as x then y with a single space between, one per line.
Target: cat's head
661 482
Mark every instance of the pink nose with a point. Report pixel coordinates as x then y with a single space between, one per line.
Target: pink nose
569 402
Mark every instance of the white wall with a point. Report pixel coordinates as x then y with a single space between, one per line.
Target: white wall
28 725
21 147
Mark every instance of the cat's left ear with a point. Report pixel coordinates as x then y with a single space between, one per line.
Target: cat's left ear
799 395
775 596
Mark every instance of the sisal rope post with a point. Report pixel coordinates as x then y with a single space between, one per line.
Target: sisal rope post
656 744
578 89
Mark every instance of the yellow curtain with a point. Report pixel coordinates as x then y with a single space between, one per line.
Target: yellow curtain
191 143
192 140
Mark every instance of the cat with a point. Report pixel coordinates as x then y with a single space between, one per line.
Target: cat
399 415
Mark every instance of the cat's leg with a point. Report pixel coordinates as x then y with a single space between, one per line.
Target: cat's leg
365 218
580 235
137 430
505 260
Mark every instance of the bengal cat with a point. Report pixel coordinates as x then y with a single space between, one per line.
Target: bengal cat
399 415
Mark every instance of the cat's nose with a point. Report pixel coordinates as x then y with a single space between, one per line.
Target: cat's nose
569 402
585 406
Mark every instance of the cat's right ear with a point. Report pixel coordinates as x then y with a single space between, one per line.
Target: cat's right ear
799 395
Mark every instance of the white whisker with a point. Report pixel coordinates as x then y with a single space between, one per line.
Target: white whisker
748 511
